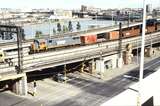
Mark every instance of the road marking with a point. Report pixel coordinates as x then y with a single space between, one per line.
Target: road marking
151 65
130 76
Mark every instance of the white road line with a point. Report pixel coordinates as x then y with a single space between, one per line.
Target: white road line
151 65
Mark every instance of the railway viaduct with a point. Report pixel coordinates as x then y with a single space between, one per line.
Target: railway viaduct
97 54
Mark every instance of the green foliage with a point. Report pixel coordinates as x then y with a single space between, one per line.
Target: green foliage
59 29
54 31
65 29
70 27
23 35
78 26
38 34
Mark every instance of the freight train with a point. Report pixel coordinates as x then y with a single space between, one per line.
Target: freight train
152 25
38 45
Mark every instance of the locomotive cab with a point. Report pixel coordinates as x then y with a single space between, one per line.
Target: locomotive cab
38 45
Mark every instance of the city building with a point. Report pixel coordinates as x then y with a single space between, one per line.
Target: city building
149 8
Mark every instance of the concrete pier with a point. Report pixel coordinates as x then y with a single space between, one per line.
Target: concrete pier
108 62
82 67
92 66
20 85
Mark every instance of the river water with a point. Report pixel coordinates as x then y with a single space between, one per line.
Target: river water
47 28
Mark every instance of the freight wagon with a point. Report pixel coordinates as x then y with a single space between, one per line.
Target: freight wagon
158 27
113 35
130 32
150 29
88 39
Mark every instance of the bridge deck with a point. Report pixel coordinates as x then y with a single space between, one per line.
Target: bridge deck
55 58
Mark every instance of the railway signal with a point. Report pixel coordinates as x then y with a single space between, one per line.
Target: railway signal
11 30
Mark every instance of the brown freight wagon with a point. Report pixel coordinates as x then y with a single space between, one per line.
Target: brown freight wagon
113 35
158 27
131 32
151 29
135 32
88 39
126 33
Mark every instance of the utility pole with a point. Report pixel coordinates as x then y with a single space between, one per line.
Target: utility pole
20 50
137 52
128 19
10 29
151 40
120 40
142 54
112 18
65 73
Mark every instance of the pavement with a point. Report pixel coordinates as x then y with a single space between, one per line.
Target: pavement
110 74
81 89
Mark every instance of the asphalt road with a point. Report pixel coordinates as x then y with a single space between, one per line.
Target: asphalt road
97 93
149 68
93 92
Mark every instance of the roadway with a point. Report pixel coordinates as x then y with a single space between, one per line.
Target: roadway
92 92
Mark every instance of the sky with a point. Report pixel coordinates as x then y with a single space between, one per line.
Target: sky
75 4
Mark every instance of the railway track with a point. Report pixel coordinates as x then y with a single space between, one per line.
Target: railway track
69 55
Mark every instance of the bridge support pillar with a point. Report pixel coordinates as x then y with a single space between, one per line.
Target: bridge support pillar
82 68
20 86
120 62
149 52
108 62
100 66
92 66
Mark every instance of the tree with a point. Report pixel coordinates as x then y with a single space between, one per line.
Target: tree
78 26
65 29
59 27
23 34
38 34
54 31
70 26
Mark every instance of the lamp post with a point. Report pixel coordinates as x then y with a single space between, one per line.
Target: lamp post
142 53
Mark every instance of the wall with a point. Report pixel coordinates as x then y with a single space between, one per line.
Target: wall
100 67
129 97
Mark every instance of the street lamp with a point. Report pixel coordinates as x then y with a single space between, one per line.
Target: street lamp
142 53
